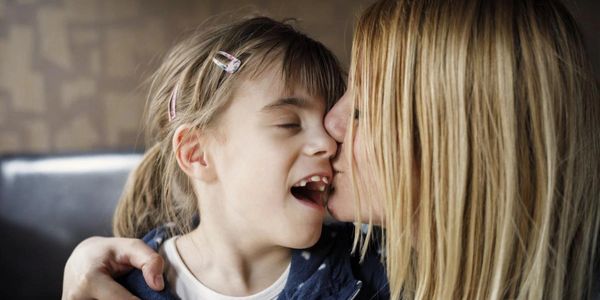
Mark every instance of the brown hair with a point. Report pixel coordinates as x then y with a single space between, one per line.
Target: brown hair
158 192
494 105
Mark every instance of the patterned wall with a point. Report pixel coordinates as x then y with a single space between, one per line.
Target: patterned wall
71 70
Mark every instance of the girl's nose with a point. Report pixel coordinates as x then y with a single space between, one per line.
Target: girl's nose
322 146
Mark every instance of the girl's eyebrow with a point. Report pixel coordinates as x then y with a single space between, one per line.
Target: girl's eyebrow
284 102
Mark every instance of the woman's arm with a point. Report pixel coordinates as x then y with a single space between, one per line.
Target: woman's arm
95 262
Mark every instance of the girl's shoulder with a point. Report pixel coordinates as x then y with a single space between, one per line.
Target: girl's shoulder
134 281
157 236
330 270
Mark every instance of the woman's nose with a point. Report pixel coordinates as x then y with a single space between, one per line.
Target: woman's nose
336 119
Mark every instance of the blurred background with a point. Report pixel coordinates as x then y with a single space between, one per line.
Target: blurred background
71 70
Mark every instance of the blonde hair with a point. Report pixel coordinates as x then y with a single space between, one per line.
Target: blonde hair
493 106
157 191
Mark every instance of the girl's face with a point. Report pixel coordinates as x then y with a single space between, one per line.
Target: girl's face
269 141
341 201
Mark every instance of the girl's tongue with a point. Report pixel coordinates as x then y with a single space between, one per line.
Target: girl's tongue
311 192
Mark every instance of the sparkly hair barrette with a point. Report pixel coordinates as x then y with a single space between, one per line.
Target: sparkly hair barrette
173 103
227 62
223 60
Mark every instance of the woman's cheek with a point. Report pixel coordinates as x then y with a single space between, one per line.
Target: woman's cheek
369 188
341 201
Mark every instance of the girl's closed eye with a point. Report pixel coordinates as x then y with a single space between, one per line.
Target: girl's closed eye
290 125
288 122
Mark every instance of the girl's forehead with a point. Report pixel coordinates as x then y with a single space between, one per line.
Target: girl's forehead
271 84
292 74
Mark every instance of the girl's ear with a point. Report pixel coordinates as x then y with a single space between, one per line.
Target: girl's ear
189 146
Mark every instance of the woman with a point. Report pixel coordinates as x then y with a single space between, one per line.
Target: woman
474 142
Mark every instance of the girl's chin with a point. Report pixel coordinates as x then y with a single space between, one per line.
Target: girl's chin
303 240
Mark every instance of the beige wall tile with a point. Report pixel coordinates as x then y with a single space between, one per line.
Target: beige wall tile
10 142
85 36
125 114
87 11
153 37
119 10
38 139
52 25
120 51
3 111
24 84
77 134
74 91
95 61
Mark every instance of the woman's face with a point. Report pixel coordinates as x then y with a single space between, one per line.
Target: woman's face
341 201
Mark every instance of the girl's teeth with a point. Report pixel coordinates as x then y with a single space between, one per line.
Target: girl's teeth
322 188
315 178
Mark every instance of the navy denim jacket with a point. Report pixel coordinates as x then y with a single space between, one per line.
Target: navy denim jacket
324 271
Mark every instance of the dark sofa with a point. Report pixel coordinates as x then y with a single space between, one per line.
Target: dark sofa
48 204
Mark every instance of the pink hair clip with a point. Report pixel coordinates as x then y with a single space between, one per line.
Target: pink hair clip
173 103
227 62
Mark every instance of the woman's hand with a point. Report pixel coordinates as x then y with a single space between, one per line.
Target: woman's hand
95 262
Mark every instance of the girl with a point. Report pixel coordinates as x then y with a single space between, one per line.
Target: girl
236 134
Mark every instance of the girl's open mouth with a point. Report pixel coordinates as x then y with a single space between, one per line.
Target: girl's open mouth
312 189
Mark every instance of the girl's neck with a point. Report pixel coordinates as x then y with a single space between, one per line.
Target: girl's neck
230 264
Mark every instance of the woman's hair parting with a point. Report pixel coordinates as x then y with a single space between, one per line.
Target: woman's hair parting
483 118
192 86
